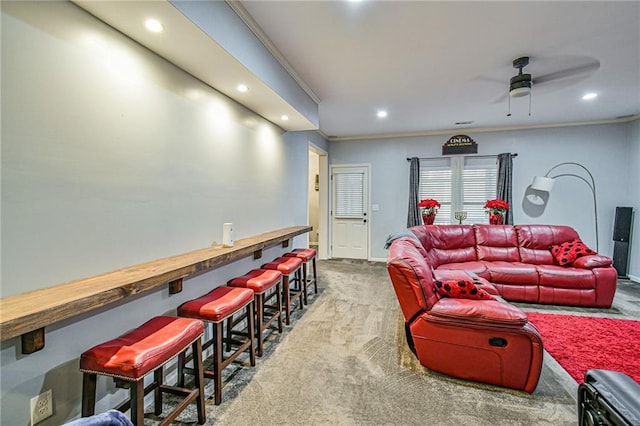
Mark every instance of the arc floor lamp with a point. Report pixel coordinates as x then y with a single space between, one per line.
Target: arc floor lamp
545 183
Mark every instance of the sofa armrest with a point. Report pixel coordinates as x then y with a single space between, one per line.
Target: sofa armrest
479 311
592 261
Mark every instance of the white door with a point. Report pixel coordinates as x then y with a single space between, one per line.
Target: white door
349 220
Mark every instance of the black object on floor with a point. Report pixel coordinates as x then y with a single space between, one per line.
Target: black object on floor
608 398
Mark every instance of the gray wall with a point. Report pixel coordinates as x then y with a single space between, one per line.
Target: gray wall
633 197
112 156
603 149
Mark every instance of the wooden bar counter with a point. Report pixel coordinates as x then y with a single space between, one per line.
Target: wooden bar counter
27 314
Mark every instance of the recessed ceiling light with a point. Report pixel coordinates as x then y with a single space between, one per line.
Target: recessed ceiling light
242 88
153 25
382 113
589 96
284 118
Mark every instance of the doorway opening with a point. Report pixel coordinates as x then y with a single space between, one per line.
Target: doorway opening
318 200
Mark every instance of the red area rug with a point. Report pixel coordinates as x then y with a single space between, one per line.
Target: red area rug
582 343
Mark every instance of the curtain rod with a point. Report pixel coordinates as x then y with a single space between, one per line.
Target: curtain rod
473 156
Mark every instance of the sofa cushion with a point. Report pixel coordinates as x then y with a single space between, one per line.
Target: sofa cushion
497 242
478 268
535 240
461 289
568 251
566 277
452 243
512 272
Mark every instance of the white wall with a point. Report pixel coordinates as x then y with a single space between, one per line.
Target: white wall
112 156
602 149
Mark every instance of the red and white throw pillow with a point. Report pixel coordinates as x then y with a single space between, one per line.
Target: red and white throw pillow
569 251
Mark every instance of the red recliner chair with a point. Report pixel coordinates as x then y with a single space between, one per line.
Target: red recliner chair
489 341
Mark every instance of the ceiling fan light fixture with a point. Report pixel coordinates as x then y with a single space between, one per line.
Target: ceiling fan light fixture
519 92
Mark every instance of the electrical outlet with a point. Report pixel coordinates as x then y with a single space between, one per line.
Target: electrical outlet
41 407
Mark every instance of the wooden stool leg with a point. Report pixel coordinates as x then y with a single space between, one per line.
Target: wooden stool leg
260 316
287 299
304 282
315 276
227 345
181 363
251 333
217 362
279 303
301 288
136 392
198 370
158 378
88 394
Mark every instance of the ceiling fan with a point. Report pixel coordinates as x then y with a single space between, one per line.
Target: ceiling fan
572 70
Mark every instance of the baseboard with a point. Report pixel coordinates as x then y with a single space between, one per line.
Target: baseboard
378 259
634 278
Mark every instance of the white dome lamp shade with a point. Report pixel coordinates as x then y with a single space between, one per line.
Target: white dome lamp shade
542 183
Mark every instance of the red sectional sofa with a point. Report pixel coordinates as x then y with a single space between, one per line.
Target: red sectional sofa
489 341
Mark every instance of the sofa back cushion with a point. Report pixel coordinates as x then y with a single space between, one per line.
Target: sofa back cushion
423 234
452 243
535 241
411 276
497 242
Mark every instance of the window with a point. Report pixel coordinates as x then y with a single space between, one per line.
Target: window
349 194
459 184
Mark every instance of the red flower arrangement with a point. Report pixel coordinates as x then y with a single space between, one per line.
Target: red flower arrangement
496 206
429 206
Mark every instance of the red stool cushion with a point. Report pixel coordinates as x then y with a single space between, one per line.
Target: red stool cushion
304 254
286 265
143 349
217 305
258 280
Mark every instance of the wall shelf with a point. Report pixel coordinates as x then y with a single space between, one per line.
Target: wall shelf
27 314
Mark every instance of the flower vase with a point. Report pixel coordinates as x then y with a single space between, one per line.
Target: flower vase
428 219
496 219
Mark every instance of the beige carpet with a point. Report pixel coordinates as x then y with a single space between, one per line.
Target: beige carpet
343 361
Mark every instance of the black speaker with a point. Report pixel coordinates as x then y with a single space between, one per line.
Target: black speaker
621 257
622 225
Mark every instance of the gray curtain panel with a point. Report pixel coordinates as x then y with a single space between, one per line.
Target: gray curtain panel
413 216
503 190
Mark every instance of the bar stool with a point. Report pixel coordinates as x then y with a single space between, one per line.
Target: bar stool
131 356
289 266
216 307
262 281
306 255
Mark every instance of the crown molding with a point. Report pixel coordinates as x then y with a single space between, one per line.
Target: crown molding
248 20
457 130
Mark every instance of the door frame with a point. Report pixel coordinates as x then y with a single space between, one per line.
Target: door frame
323 200
366 166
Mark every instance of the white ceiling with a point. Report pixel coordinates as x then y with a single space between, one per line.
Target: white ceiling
429 64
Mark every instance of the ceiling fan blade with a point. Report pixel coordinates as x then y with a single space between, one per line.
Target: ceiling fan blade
501 98
589 67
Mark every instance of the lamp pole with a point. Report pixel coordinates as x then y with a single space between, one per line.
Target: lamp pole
591 185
